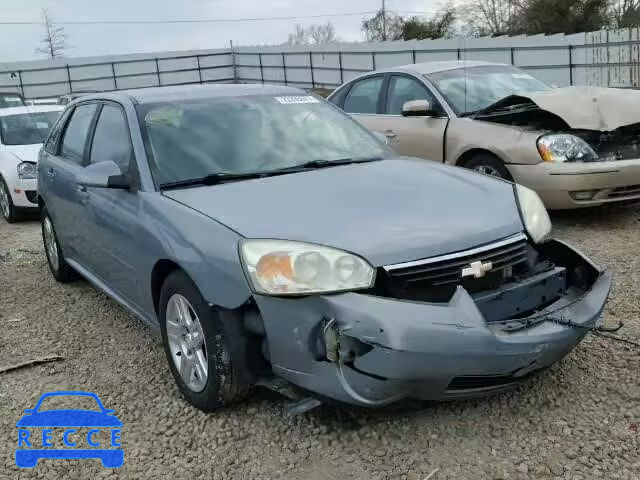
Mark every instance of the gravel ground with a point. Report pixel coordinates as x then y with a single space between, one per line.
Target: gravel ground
580 420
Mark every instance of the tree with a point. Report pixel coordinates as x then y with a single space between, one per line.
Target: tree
382 27
530 17
625 13
568 16
322 34
299 36
440 26
490 17
54 40
313 35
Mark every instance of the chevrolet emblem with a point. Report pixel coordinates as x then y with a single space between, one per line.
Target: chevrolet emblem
476 269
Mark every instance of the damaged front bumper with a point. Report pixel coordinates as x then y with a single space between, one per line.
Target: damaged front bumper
576 185
371 351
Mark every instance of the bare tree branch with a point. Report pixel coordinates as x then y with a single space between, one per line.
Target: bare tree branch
54 40
383 26
313 35
625 13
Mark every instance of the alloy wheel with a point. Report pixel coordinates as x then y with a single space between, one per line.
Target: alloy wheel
51 244
4 201
186 342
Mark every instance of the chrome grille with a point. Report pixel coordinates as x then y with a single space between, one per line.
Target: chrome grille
447 269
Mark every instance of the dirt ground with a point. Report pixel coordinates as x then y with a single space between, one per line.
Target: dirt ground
580 420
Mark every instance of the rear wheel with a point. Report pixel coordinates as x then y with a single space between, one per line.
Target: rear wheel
195 345
6 204
59 267
489 165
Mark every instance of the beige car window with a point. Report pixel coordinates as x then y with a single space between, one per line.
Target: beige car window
404 89
363 96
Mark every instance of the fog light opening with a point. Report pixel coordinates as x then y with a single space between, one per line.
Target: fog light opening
584 195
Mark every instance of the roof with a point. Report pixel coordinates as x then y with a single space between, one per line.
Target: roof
188 92
30 109
433 67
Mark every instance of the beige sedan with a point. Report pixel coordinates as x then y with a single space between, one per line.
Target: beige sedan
576 146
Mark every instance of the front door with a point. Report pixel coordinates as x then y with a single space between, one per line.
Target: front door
413 136
113 215
376 102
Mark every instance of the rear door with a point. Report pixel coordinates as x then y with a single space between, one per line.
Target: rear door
62 194
363 101
413 136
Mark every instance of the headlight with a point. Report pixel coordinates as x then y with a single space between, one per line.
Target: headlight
26 170
281 267
562 147
534 215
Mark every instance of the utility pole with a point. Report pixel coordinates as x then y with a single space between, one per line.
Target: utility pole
234 62
384 20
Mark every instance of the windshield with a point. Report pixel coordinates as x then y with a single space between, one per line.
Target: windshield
249 134
468 90
26 128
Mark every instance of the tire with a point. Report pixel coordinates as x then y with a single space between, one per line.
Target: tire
8 210
203 343
59 267
489 165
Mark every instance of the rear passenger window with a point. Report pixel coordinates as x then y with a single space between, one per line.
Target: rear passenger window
75 135
363 96
111 139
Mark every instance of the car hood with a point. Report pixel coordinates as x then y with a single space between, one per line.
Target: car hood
26 153
69 418
584 108
387 211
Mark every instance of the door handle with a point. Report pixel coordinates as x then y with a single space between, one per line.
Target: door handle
82 188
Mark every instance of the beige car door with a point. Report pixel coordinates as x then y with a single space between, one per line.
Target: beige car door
412 136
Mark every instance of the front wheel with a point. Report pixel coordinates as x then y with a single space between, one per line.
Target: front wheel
489 165
195 346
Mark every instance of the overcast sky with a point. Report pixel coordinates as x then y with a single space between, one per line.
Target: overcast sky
17 42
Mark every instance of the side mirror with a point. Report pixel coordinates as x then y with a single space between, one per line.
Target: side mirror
418 108
381 136
29 410
103 175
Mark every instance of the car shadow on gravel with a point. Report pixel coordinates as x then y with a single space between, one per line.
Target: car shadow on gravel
603 215
345 417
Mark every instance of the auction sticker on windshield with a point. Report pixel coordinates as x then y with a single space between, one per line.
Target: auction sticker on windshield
48 431
293 99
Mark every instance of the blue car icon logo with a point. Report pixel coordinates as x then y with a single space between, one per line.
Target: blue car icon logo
32 446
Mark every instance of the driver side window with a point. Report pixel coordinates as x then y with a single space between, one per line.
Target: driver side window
405 89
75 135
111 139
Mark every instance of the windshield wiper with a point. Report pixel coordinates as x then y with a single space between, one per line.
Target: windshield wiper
499 109
213 179
223 177
313 164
